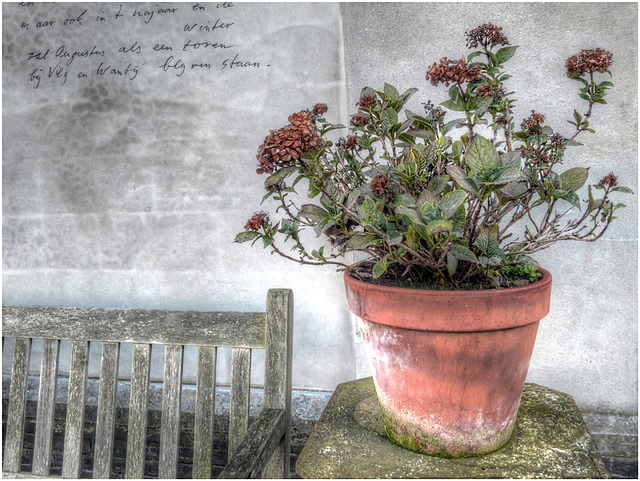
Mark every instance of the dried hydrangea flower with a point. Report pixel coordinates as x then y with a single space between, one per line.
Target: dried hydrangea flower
319 109
610 180
366 101
257 221
452 71
286 145
380 184
489 90
350 143
360 120
532 123
597 60
486 35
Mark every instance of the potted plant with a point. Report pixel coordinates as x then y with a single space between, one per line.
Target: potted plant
439 219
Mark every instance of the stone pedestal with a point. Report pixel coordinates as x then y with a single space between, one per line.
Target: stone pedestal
550 441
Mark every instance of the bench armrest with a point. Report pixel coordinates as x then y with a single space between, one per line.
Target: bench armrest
257 446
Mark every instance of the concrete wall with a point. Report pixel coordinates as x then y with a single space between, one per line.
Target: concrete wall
129 193
128 190
587 345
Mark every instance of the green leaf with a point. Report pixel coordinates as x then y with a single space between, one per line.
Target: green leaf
360 241
381 267
511 159
572 198
461 178
427 196
353 198
429 211
451 202
513 190
279 175
571 180
391 92
313 212
437 184
463 253
456 105
247 236
389 117
482 156
505 53
487 240
439 225
411 213
625 190
452 263
412 238
459 219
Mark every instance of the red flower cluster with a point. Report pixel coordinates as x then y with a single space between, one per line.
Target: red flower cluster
486 35
258 220
380 184
489 90
359 120
532 123
597 60
610 180
366 101
284 146
350 143
454 71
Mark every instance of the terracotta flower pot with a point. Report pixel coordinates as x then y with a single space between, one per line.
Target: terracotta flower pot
449 366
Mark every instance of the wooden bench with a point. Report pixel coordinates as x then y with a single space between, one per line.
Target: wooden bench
254 450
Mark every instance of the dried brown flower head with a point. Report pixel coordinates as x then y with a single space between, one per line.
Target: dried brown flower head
358 120
380 184
258 220
536 156
319 109
350 143
452 71
489 91
610 180
284 146
366 101
486 35
597 60
532 123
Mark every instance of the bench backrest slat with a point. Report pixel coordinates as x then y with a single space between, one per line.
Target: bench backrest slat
136 436
74 430
205 412
239 408
17 405
46 407
106 417
229 329
170 424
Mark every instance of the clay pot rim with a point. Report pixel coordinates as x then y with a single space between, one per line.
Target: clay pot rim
539 284
450 311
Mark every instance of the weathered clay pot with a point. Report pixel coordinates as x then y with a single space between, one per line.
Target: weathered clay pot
449 366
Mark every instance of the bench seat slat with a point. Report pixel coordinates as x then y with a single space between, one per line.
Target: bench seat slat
73 433
46 407
137 432
106 418
240 391
205 413
17 406
229 329
170 423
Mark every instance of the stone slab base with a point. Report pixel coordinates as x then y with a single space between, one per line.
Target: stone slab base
550 440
